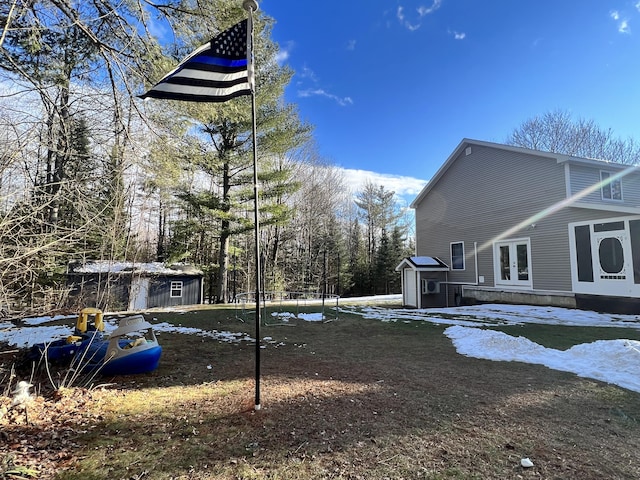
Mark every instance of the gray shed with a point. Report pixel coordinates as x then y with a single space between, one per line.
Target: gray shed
134 285
423 281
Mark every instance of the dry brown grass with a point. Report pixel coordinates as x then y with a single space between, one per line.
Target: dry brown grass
349 399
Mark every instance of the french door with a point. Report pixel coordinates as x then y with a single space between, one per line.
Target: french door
513 263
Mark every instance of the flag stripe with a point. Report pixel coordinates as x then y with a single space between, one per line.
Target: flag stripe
214 72
223 62
205 82
170 91
209 74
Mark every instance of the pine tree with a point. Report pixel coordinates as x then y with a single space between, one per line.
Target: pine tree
226 159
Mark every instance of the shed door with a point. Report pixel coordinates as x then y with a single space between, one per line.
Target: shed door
139 293
409 291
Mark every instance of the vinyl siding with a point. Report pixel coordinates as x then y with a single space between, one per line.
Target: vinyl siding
496 194
160 291
583 177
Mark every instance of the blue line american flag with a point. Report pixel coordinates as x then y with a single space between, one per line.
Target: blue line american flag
215 72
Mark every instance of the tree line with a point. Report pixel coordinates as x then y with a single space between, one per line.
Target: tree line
90 172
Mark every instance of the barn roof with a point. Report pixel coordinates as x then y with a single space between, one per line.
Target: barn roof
149 268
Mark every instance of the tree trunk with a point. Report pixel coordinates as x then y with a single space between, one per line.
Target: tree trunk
62 153
223 257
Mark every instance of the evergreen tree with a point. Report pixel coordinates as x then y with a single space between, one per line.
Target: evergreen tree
380 213
227 162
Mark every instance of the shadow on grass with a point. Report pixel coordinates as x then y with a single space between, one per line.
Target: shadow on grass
356 399
352 398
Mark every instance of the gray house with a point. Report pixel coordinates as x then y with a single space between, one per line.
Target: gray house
134 285
516 225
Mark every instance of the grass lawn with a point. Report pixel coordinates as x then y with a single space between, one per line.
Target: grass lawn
348 399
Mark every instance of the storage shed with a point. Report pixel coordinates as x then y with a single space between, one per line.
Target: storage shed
134 286
423 282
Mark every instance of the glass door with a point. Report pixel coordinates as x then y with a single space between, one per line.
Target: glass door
513 260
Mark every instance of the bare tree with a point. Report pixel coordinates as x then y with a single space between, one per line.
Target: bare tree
313 235
558 132
70 74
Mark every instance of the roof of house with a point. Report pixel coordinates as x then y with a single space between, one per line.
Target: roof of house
150 268
467 142
424 263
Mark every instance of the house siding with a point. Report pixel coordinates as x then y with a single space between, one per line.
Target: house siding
488 192
160 292
551 263
583 177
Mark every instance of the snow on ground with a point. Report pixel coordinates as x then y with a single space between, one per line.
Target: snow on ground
36 332
612 361
309 317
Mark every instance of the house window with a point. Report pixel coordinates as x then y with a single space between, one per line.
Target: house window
457 256
611 187
176 289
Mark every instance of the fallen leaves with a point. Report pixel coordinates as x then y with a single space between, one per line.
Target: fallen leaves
43 441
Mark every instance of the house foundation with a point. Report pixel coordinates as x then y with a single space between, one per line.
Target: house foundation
475 294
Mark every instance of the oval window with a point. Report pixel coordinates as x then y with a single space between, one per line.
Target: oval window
611 255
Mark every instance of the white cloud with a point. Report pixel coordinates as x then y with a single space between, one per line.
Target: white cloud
400 13
403 21
351 45
319 92
623 27
637 5
284 52
623 24
307 73
401 185
421 10
282 56
457 35
306 76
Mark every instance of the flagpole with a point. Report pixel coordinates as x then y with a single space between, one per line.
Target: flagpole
251 6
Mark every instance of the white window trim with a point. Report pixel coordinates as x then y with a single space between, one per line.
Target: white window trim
176 285
618 180
464 263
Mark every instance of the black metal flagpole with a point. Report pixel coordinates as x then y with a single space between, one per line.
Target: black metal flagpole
190 81
251 6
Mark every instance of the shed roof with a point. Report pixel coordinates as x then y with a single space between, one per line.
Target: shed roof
423 264
149 268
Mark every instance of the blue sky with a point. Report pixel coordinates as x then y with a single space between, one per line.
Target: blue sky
393 86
